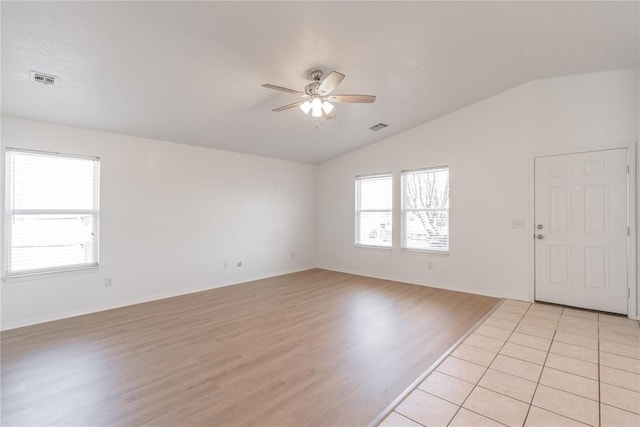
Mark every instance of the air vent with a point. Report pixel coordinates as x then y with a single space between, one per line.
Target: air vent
43 78
378 126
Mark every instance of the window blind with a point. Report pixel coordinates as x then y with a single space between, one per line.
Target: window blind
52 212
425 209
374 203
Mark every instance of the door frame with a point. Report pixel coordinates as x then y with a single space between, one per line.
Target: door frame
632 281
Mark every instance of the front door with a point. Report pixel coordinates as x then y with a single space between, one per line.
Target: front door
581 230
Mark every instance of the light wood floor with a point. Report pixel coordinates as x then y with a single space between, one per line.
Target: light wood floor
309 348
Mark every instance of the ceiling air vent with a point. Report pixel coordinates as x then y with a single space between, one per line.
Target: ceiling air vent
43 78
378 126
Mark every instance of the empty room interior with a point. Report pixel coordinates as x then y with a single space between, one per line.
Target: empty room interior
320 213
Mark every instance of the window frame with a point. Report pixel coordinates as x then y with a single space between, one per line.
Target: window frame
9 212
403 210
358 211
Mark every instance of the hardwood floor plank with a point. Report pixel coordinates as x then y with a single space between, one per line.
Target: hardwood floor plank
310 348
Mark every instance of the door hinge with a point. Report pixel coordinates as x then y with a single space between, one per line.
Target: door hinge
628 293
628 169
628 230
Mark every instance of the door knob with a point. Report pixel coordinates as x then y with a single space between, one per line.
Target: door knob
539 227
539 236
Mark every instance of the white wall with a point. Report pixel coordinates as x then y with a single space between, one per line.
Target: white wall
489 147
171 215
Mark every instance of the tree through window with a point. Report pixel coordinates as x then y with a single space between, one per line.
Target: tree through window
425 209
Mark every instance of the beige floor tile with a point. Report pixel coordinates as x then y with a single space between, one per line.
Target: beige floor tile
633 331
485 343
474 354
493 332
509 325
513 309
466 418
461 369
531 341
588 331
508 385
521 352
618 320
427 409
547 307
396 420
614 417
497 406
620 378
506 315
620 349
519 368
584 314
621 398
575 351
446 387
535 331
570 383
539 322
539 417
579 321
581 340
609 336
516 303
573 366
567 404
620 362
543 314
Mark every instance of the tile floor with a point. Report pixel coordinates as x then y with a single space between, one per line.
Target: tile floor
534 365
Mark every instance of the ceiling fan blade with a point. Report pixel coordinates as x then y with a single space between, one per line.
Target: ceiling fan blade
331 82
286 107
352 99
329 116
282 89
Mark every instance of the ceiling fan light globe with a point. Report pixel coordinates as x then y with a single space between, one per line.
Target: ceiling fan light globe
317 112
327 107
316 103
305 107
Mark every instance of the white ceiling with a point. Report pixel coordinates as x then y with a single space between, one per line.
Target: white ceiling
190 72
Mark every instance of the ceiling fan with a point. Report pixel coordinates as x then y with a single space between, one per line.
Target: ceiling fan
317 97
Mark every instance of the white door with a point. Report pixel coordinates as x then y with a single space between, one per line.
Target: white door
581 230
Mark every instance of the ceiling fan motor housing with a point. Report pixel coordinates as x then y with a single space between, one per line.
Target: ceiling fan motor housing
312 88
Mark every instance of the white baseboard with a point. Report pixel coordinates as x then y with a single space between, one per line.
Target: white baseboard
139 300
468 290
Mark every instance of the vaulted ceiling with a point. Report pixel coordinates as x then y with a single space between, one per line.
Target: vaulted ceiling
191 72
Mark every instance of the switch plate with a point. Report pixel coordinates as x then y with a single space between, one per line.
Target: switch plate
519 224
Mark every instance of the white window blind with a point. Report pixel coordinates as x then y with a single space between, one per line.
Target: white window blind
374 195
52 212
425 209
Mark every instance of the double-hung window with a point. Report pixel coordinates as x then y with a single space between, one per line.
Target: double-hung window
425 209
52 213
374 204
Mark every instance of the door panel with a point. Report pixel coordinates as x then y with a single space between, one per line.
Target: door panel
581 205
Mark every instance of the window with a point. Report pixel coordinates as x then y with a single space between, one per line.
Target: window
425 209
374 210
51 212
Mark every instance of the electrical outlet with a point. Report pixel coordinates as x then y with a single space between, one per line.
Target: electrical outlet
226 265
429 265
293 255
239 264
107 282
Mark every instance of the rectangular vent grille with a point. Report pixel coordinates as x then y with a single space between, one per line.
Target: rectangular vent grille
378 126
43 78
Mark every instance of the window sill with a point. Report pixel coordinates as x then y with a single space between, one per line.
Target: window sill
19 277
425 251
380 248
